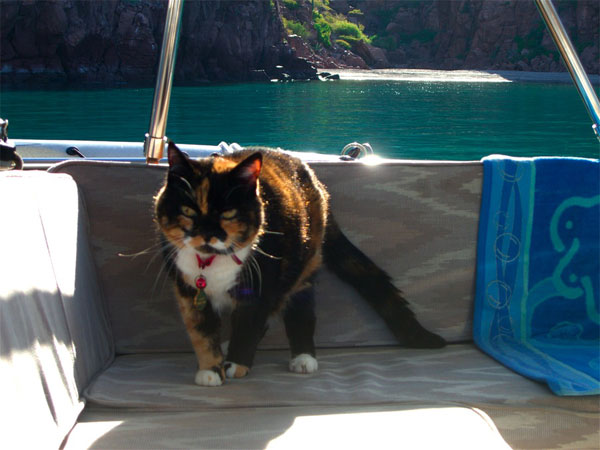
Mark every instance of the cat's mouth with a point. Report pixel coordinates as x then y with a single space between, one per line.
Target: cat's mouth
211 249
217 247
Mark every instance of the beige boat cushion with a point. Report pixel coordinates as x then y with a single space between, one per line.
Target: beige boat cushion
54 335
348 380
383 426
417 221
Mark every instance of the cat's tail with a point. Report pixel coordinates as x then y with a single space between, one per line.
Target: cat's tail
374 285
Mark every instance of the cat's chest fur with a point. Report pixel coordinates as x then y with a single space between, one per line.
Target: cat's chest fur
221 275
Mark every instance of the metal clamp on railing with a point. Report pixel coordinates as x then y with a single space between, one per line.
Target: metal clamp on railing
155 140
576 70
354 150
9 158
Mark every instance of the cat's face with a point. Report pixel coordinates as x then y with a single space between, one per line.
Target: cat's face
210 205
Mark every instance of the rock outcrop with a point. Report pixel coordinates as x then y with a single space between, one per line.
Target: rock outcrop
120 40
476 34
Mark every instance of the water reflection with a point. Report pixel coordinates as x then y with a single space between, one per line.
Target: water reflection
404 119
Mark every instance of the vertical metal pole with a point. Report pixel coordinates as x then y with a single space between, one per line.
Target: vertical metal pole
155 140
580 78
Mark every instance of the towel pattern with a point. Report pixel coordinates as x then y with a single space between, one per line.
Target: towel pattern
538 266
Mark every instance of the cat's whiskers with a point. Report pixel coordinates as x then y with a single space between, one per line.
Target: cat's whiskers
146 251
262 252
279 233
247 278
164 267
157 250
252 265
255 276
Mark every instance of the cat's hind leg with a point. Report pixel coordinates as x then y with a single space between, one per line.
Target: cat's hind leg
300 320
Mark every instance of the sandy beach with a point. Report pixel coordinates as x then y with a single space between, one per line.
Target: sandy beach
462 76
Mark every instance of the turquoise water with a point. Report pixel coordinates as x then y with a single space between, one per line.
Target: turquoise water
453 121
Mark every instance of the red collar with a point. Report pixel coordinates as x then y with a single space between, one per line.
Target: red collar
204 263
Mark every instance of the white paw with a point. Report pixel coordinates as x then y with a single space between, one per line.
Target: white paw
233 370
208 378
304 363
230 370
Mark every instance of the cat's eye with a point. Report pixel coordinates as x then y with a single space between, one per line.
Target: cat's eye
229 214
187 211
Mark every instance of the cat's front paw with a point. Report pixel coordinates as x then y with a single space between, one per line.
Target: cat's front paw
208 378
233 370
303 363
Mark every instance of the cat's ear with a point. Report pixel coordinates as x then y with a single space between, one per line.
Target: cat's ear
248 170
180 167
176 157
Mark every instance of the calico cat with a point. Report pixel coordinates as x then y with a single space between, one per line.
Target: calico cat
248 231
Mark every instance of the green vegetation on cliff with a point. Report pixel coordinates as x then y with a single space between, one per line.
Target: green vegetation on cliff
443 34
325 26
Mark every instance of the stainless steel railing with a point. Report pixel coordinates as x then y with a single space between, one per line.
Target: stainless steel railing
565 47
155 139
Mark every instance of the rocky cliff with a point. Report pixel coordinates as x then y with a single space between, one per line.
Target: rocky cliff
479 34
119 40
441 34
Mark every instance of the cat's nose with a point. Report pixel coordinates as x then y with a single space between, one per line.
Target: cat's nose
213 236
212 241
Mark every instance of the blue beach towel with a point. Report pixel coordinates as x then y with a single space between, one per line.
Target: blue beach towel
538 270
